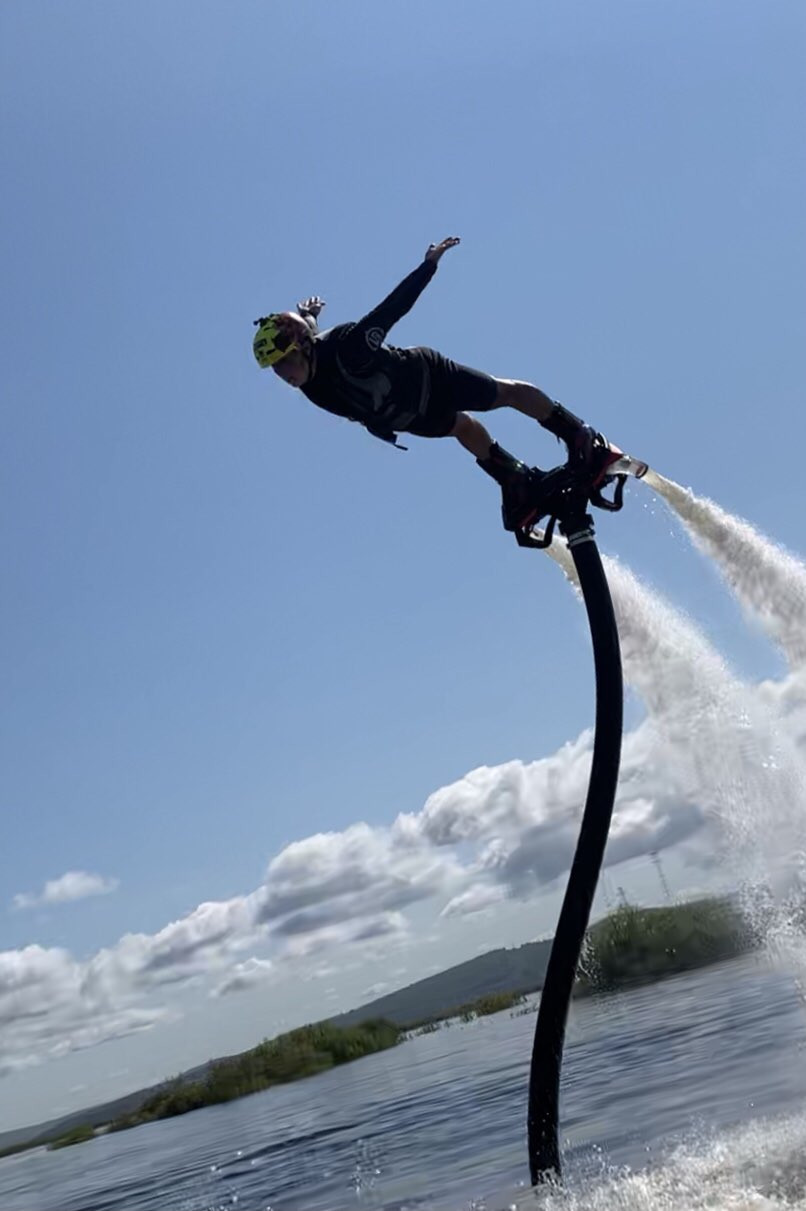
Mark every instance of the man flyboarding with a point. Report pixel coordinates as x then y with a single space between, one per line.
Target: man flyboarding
350 371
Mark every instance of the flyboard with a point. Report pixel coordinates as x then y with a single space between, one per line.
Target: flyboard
564 489
562 497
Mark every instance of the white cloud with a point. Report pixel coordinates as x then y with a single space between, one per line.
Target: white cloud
516 825
47 1011
244 976
389 926
333 877
495 834
73 885
376 990
198 944
477 898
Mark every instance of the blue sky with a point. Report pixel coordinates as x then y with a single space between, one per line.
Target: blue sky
232 622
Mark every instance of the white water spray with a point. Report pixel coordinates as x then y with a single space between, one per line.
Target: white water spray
758 1167
769 581
722 745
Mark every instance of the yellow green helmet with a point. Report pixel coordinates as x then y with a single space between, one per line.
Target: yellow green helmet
278 335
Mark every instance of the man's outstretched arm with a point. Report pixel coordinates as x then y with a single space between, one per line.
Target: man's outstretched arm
369 333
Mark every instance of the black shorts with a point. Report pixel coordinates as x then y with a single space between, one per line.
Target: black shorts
454 388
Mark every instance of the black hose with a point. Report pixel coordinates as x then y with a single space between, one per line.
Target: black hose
544 1079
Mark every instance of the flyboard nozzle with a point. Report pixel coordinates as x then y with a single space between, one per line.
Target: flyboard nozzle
627 465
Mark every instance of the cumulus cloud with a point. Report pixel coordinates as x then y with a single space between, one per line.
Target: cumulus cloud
524 817
46 1011
389 926
477 898
244 976
516 825
339 877
198 944
376 990
497 833
73 885
320 896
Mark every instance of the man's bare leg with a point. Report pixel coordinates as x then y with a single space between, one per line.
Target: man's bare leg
525 398
531 401
511 474
472 435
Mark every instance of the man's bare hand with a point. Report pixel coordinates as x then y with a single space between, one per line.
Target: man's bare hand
435 251
311 306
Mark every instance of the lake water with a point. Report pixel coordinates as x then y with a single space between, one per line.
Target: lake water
686 1094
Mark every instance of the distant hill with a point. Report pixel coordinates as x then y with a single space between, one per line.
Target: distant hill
95 1116
521 969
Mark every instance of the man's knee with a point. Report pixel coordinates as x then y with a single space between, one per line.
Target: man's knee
512 393
461 425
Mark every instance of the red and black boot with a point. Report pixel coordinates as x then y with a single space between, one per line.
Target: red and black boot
578 437
516 481
588 451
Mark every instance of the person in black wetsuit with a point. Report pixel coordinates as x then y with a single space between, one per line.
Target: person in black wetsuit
349 370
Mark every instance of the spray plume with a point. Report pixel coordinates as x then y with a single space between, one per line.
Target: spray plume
723 746
769 581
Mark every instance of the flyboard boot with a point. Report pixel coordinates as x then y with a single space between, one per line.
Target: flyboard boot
589 451
529 493
578 437
515 480
518 482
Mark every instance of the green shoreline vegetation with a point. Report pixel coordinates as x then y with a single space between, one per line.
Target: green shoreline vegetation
288 1057
628 947
77 1135
640 945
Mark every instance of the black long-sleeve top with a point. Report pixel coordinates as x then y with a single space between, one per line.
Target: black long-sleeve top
357 375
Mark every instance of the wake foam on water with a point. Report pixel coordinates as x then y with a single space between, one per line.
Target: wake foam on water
758 1167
